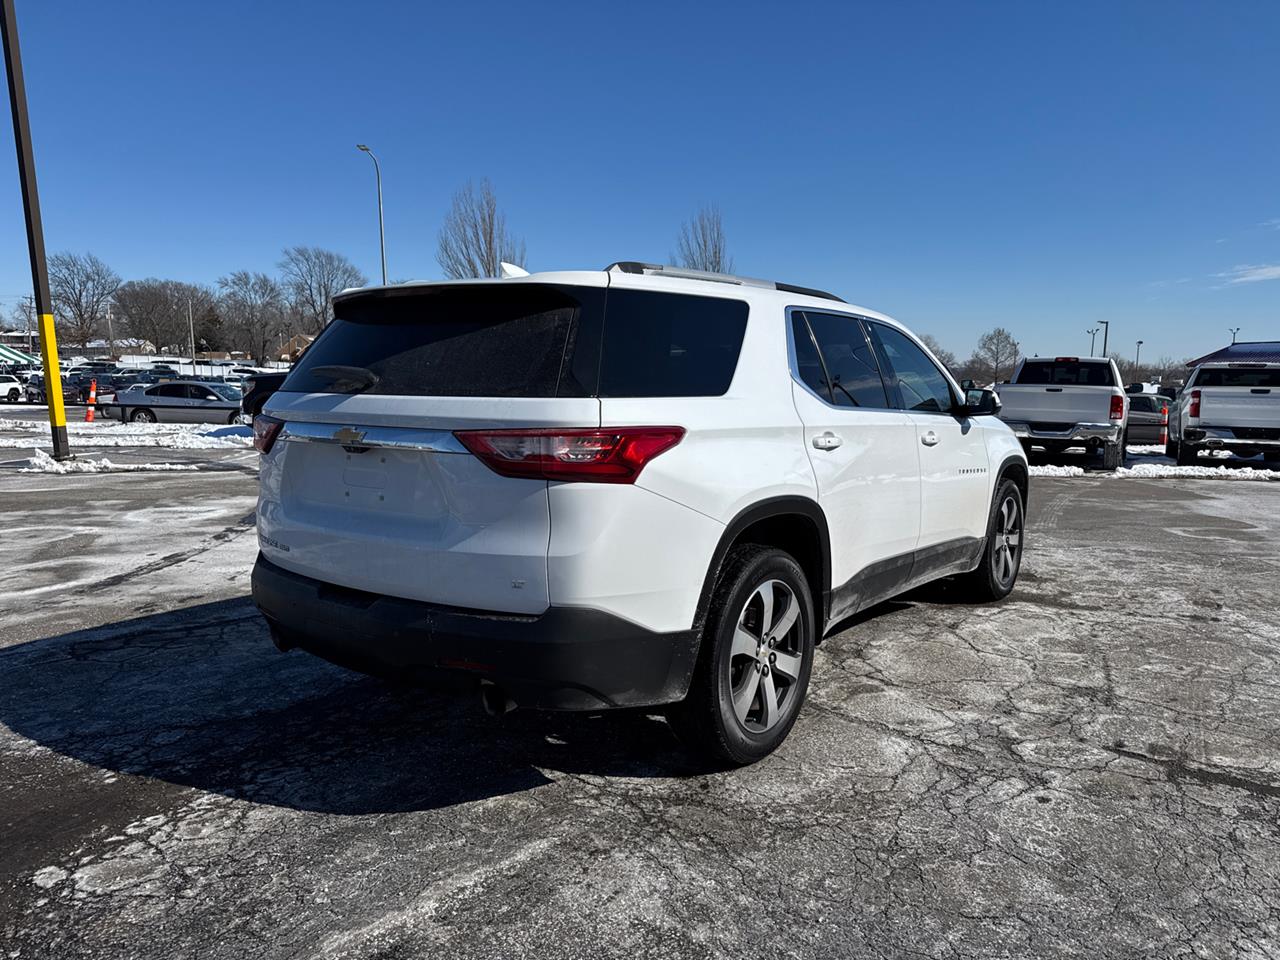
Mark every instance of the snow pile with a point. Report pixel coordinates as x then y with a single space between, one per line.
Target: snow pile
1166 471
168 436
43 463
1051 470
1146 449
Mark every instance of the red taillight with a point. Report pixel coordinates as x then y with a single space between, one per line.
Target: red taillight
1194 409
592 455
265 431
1117 408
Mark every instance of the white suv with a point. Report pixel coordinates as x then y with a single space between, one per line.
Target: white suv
624 488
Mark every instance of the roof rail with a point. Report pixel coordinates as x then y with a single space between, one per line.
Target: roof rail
653 269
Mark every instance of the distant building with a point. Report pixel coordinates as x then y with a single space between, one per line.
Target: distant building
1256 351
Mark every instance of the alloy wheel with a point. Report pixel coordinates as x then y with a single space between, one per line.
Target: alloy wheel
766 658
1007 547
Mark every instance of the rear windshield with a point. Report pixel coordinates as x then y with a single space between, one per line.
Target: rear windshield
1066 373
1238 377
525 340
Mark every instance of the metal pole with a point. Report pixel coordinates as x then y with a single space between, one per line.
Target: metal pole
111 337
192 327
382 235
1233 331
35 233
1106 330
1093 339
1137 355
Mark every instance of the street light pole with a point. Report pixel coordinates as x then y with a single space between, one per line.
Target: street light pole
382 234
1233 331
1093 339
35 232
1137 355
1106 330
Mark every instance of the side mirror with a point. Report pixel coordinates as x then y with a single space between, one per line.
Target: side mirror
981 403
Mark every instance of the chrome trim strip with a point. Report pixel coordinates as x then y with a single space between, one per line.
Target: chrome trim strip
350 435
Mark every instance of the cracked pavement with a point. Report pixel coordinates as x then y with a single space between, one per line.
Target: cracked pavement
1090 768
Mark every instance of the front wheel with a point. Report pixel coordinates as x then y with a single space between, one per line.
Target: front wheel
1002 559
756 656
142 415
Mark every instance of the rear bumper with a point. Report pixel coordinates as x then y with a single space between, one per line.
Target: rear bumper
1076 433
1224 438
567 658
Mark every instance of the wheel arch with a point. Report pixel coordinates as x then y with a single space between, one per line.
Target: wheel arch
1015 469
791 523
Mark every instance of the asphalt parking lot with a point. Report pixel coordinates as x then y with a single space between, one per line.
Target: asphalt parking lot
1091 768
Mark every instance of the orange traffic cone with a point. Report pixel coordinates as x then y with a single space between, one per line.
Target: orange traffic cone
1163 438
93 399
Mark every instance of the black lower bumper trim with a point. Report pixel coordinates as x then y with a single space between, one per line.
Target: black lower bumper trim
567 658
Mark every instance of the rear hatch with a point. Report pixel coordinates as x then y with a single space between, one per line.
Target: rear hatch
1243 396
368 488
1057 393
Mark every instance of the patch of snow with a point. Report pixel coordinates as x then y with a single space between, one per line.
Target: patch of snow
43 463
1164 471
169 436
1146 450
1052 470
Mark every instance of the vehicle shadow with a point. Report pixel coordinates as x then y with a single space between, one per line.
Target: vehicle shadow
200 697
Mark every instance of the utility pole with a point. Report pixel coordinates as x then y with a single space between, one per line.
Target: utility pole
35 232
192 327
1106 329
1233 331
1137 355
1093 339
111 337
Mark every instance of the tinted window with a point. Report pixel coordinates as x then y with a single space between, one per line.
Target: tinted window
482 341
170 390
853 378
920 384
1142 404
808 363
669 345
1238 377
1066 373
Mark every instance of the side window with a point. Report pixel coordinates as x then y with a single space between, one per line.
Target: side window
921 385
169 390
808 363
1142 404
851 372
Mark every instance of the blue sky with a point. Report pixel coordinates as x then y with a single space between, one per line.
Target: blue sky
958 166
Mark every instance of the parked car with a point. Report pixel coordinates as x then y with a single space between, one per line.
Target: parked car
1227 406
183 401
1148 416
72 390
257 388
1061 402
662 499
11 388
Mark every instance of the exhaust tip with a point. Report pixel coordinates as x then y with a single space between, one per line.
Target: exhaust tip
494 699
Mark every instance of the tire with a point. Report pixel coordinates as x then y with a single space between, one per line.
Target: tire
234 417
996 575
737 654
1186 455
143 415
1171 450
1112 455
13 396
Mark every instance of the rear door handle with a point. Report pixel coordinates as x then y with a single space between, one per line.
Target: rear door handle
930 439
827 441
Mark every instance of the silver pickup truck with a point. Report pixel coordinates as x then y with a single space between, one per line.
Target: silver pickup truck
1061 402
1227 406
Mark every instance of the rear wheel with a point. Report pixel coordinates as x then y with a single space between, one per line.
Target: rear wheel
1002 559
1113 455
142 415
13 396
1171 450
1186 455
754 664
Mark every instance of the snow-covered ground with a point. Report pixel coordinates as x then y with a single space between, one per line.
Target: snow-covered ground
41 462
112 433
1148 462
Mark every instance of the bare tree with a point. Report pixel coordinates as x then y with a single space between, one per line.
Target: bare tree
701 244
155 311
253 310
947 358
474 239
995 357
311 278
81 286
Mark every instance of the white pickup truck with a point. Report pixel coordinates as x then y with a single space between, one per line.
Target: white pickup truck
1061 402
1227 406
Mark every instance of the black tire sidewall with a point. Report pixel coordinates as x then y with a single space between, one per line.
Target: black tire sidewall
741 745
143 416
993 589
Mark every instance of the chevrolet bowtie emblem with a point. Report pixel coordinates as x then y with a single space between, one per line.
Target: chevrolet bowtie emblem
348 435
